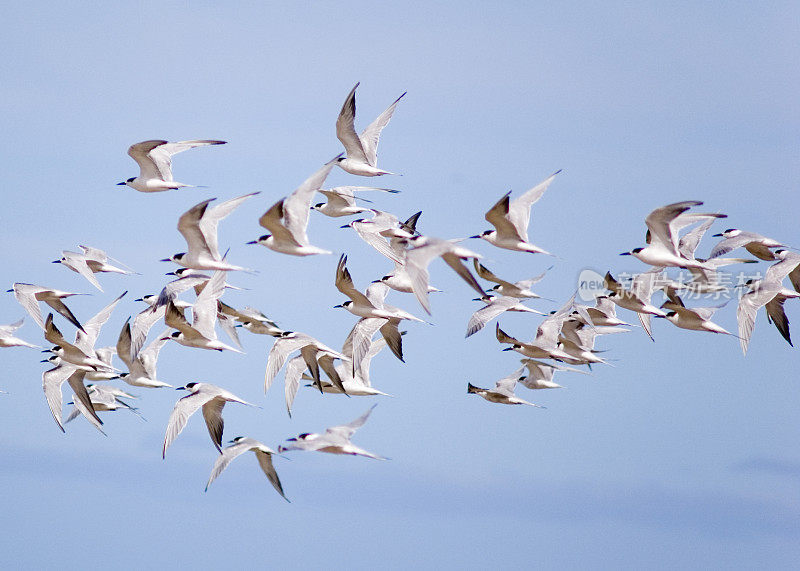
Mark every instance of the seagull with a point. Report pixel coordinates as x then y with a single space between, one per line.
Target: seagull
758 245
239 446
362 150
510 220
7 338
335 440
310 349
342 200
198 226
201 333
51 384
520 289
763 293
212 398
89 262
28 295
503 392
287 219
155 163
663 249
142 365
493 308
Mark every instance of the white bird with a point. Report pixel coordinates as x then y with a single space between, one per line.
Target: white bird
89 262
287 219
82 354
494 307
142 366
638 297
201 333
763 293
335 440
310 349
198 226
379 232
239 446
423 250
520 289
540 374
51 384
7 338
103 398
155 163
663 224
28 296
511 218
252 319
212 398
604 313
758 245
503 392
693 318
788 265
342 200
361 150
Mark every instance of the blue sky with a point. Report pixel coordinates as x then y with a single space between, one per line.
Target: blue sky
684 453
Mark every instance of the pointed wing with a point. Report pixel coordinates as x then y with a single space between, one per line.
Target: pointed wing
142 324
370 136
26 296
519 211
212 413
346 131
78 262
211 218
659 223
228 454
297 206
140 152
204 310
294 371
497 216
189 227
484 315
777 314
345 431
265 461
86 339
51 384
280 351
161 154
184 408
507 384
83 402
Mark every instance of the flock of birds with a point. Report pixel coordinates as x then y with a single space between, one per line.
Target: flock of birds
565 338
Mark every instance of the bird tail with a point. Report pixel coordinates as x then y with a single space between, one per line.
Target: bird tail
472 388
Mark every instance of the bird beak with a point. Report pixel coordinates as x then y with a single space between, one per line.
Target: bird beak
716 235
252 242
56 261
169 273
508 349
180 388
121 184
337 306
469 238
46 351
626 254
345 226
165 260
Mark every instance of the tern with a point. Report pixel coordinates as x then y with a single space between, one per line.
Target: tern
155 163
7 338
28 296
89 262
252 319
103 398
494 307
379 232
663 249
239 446
763 293
503 392
758 245
201 333
342 200
540 374
212 398
142 365
511 218
335 440
638 297
520 289
198 226
51 384
788 265
287 219
312 352
361 150
81 354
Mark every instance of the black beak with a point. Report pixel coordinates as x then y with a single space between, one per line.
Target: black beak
716 235
626 254
165 260
252 242
121 183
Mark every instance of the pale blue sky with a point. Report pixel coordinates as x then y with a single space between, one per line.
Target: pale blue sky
683 454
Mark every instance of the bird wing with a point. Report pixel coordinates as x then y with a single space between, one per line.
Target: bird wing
184 408
280 351
210 220
265 461
227 455
369 137
519 211
161 155
124 344
749 305
659 223
297 206
497 216
485 273
51 384
83 402
492 309
294 371
78 262
86 339
346 131
344 283
345 431
26 296
174 317
204 310
507 384
371 235
148 357
148 168
189 227
393 338
142 324
687 245
212 413
778 271
456 263
728 244
777 315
